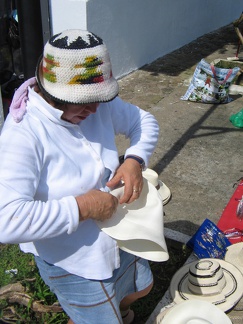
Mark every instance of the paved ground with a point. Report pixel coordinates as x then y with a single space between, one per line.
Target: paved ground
199 153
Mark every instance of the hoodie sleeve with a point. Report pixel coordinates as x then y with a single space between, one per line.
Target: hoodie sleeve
139 126
22 218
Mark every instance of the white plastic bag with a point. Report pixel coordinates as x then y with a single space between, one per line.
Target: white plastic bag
210 84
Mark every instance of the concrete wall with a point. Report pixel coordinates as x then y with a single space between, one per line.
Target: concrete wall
1 111
137 32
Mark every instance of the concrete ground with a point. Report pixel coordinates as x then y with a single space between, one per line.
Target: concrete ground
199 152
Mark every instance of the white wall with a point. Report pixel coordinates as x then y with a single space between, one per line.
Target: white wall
67 14
137 32
1 111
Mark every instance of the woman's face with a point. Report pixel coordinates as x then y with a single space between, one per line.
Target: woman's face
76 113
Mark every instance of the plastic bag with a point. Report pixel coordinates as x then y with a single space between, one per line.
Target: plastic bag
209 241
210 84
237 119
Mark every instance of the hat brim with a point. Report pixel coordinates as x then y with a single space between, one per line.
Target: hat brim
230 295
110 87
194 311
138 227
234 255
164 192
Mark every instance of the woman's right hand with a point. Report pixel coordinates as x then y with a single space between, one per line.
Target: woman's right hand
97 205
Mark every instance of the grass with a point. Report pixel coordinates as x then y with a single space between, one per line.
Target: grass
12 258
27 274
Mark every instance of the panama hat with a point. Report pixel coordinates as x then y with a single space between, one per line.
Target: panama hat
213 280
163 190
193 312
234 255
138 227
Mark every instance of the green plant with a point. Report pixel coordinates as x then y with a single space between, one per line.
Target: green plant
33 291
12 258
34 287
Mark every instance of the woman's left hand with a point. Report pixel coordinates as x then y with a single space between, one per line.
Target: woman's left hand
130 174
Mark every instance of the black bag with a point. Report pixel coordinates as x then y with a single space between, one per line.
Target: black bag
13 33
11 67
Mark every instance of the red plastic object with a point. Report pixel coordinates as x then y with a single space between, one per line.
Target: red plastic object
229 220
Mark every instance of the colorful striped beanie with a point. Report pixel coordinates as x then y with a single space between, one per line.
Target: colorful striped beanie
76 68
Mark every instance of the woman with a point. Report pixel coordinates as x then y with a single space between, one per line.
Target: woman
58 163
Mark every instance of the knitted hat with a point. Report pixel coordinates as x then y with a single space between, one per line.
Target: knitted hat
75 68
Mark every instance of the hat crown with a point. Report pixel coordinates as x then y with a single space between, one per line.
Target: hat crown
75 39
76 68
151 176
206 277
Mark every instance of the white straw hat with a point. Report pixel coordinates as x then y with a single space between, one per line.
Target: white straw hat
213 280
193 312
138 227
153 178
234 255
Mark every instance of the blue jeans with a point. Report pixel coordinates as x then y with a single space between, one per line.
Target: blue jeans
96 301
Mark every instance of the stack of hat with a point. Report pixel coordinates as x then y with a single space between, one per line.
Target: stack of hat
163 190
214 280
203 290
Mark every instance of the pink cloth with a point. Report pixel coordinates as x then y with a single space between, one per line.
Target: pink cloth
18 106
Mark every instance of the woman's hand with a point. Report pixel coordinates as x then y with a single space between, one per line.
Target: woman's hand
97 205
130 174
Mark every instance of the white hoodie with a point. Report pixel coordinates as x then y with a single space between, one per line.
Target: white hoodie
46 162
